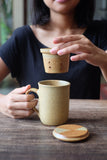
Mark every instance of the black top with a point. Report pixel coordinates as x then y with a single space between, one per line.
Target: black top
21 53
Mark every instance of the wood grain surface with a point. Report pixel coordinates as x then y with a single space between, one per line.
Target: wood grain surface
28 139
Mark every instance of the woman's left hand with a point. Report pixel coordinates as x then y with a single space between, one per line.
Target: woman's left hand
82 47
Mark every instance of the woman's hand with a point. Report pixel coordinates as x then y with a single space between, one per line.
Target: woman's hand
17 104
83 49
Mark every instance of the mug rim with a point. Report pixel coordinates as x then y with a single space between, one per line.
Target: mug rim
45 50
64 83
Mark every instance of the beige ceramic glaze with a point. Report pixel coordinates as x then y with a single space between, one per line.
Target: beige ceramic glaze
54 63
53 101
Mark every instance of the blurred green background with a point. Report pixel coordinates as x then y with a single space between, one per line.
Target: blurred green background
5 20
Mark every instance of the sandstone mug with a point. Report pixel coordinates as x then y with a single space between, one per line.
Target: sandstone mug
53 101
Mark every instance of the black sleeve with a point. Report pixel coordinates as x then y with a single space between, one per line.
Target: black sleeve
10 54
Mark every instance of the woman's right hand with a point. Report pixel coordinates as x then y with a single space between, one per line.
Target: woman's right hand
17 104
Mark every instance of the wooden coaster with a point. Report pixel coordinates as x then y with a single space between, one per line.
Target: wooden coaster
70 132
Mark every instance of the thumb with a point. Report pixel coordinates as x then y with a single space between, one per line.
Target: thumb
27 87
21 90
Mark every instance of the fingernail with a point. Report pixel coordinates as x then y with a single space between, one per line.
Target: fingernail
28 85
53 50
60 52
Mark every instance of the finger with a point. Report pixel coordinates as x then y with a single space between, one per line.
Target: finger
21 90
21 97
63 45
21 114
67 38
82 40
76 48
22 105
81 56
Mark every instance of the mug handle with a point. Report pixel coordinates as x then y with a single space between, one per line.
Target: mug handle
35 90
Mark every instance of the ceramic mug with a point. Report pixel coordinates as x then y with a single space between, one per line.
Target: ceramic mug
53 101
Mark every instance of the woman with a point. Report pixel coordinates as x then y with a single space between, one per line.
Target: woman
67 27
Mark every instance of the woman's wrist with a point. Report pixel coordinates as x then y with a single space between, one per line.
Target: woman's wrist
103 64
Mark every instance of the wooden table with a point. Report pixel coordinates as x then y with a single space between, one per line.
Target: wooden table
28 139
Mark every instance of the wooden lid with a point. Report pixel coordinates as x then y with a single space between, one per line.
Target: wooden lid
45 50
70 132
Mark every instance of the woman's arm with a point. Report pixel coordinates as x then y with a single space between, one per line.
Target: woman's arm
104 67
83 49
4 71
15 104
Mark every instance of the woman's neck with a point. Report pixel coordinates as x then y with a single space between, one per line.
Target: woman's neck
59 25
62 23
